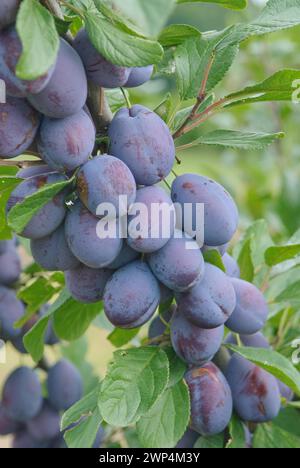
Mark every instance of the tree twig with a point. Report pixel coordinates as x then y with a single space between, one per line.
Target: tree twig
99 108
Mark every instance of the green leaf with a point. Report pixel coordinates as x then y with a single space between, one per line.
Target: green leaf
119 46
84 434
289 420
35 296
278 254
120 337
237 434
176 34
290 294
82 408
214 257
134 381
7 185
150 16
178 368
34 339
272 362
196 58
40 40
167 420
115 98
20 215
212 442
233 4
269 436
235 139
278 87
72 318
245 262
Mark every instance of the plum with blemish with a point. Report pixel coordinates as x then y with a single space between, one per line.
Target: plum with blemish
142 140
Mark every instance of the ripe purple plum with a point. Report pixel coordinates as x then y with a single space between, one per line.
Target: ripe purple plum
211 301
52 253
152 224
64 384
179 268
257 340
231 266
65 144
66 92
5 245
51 215
19 123
7 425
11 310
83 240
142 140
10 267
32 171
99 70
45 425
131 296
211 400
86 284
138 76
127 255
255 392
103 180
23 440
8 12
220 211
251 310
193 344
22 395
10 53
188 440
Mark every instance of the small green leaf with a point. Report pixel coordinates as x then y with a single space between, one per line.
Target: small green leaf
35 296
214 258
120 337
7 185
278 254
233 4
290 294
84 434
167 420
176 34
82 408
134 381
237 433
269 436
212 442
40 40
20 215
177 367
245 262
272 362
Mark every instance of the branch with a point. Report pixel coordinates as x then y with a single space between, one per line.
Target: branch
99 108
200 98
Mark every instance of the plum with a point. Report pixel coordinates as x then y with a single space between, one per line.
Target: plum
142 140
19 123
231 266
86 284
211 301
65 144
8 12
10 267
64 384
138 76
251 309
11 310
131 296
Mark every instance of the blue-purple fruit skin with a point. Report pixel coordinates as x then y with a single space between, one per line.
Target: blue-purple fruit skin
23 440
66 92
52 253
5 245
65 144
11 310
177 267
211 399
99 438
161 225
142 140
138 76
46 424
7 425
220 248
220 211
51 215
188 440
231 266
10 267
86 284
211 301
131 296
10 53
33 171
22 395
255 392
193 344
104 179
8 12
251 310
99 70
157 327
127 255
18 127
82 238
64 384
257 340
166 295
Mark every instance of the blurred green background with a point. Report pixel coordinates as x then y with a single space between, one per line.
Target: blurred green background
265 184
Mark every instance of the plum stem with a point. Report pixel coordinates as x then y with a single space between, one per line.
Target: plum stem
126 98
71 7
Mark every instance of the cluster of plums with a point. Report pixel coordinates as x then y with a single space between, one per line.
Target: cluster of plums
133 276
33 419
